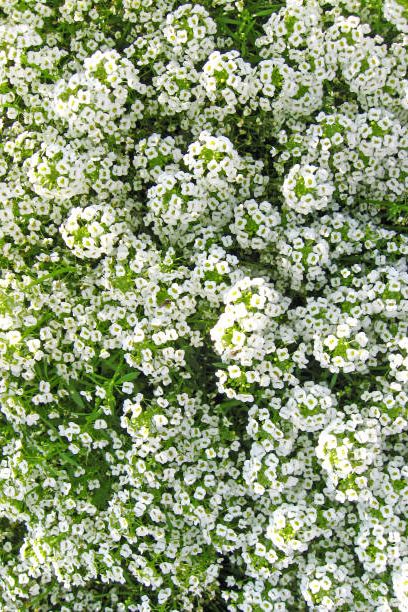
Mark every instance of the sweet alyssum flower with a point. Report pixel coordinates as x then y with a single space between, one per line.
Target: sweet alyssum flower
203 305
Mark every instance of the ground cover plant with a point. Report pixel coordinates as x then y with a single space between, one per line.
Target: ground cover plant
203 305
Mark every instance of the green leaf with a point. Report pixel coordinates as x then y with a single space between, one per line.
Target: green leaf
77 399
230 403
129 377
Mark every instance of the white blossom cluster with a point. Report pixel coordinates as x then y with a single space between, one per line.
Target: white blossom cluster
203 306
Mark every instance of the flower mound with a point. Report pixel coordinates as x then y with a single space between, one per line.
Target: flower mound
203 305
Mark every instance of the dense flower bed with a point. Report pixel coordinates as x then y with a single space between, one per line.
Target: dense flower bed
203 305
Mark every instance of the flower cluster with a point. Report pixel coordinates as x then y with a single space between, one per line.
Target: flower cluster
203 305
202 193
92 231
